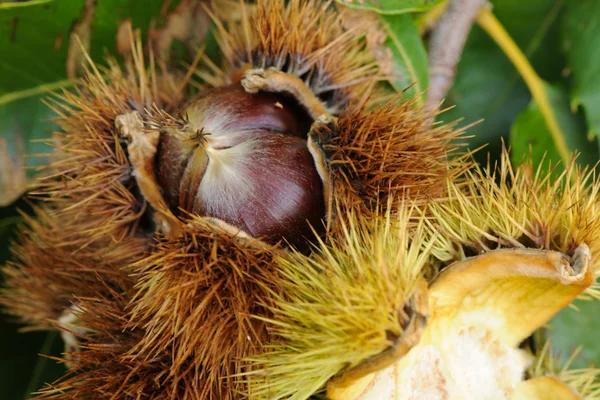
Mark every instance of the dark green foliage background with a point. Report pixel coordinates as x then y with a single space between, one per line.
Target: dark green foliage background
560 37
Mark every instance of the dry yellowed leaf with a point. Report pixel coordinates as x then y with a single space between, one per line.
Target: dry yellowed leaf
13 179
79 39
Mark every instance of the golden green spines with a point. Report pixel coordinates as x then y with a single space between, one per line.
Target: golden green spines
547 365
520 207
346 302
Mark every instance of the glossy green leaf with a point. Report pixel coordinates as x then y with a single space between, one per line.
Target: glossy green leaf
530 131
581 38
408 54
390 6
35 37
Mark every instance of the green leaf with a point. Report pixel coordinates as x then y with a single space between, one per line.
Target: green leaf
390 6
35 35
581 37
22 122
36 45
530 129
408 54
7 223
488 87
534 25
572 328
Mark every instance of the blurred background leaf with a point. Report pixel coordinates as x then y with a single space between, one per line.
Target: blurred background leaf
409 57
577 327
22 370
530 136
488 86
581 38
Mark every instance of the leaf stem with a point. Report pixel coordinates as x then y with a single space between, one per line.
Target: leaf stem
45 88
488 21
6 6
40 365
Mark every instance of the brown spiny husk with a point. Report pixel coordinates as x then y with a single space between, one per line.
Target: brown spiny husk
50 267
303 38
103 368
89 224
198 299
393 151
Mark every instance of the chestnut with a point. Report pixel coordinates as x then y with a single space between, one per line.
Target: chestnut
244 158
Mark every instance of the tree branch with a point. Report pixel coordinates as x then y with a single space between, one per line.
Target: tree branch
446 45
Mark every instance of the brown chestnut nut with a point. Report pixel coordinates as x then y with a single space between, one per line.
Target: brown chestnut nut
243 158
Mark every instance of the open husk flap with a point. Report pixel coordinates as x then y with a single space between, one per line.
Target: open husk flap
481 309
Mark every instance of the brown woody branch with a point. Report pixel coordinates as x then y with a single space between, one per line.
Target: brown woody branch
446 45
